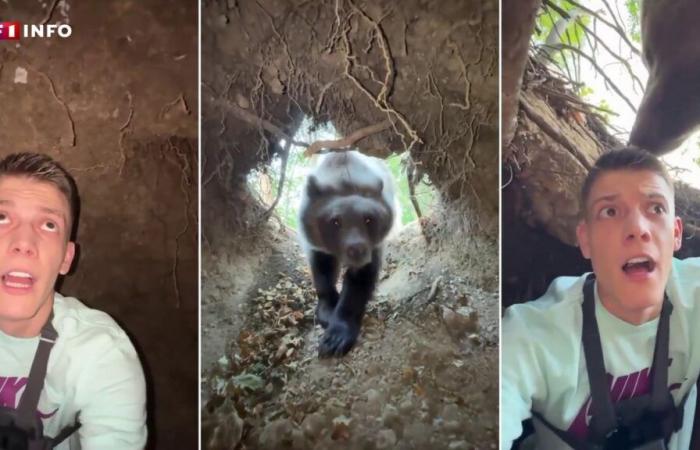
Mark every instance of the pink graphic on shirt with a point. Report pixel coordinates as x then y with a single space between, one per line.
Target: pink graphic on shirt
622 388
9 394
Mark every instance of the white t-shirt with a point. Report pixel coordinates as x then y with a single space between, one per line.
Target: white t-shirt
93 370
544 367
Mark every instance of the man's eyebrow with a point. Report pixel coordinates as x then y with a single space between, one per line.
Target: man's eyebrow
656 195
54 212
44 209
605 198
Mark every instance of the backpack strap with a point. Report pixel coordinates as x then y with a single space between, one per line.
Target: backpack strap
604 420
659 368
64 433
28 403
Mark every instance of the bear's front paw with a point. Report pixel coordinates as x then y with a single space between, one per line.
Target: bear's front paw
339 338
323 313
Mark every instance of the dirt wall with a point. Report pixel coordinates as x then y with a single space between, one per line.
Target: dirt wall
116 104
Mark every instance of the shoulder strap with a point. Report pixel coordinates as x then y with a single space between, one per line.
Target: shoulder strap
659 369
26 410
64 433
604 420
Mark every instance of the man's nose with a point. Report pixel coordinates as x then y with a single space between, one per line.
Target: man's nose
637 227
23 241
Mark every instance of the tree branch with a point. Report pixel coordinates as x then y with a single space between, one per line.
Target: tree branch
619 31
600 71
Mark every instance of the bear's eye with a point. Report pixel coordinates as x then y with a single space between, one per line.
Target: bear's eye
368 220
335 222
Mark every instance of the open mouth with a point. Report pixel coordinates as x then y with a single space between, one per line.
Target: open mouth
16 279
639 265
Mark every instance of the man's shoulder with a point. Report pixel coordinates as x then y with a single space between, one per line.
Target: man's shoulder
687 269
563 296
549 322
78 324
684 282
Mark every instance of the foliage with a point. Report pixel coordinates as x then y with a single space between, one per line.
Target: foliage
569 35
634 11
572 33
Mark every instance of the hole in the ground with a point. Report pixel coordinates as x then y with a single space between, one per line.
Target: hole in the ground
264 182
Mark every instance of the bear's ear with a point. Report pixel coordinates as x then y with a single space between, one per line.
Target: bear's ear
380 186
312 187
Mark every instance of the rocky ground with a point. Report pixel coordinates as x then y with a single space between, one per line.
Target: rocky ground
423 376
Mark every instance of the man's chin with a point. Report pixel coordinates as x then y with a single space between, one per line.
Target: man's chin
18 309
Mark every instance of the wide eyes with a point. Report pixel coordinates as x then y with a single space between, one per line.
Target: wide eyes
46 225
607 212
657 208
50 225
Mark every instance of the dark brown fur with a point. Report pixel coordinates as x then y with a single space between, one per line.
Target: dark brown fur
670 109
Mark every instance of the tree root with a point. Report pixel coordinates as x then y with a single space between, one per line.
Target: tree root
62 103
341 144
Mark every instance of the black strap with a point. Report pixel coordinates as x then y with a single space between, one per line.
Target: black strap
659 369
64 433
28 403
659 400
604 420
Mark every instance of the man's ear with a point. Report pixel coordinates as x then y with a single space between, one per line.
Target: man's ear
584 242
677 233
67 258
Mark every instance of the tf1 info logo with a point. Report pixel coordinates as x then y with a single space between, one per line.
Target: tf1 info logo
15 30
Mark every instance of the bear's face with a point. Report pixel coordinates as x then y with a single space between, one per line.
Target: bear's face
351 227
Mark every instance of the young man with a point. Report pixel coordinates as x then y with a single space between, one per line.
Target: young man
603 358
89 374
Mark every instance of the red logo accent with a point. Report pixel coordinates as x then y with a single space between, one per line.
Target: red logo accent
10 31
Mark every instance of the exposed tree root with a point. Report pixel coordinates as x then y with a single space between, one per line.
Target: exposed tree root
62 103
342 144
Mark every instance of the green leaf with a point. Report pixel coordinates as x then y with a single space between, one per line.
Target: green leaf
634 13
248 381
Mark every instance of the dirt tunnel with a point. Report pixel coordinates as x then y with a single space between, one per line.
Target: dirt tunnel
116 104
408 81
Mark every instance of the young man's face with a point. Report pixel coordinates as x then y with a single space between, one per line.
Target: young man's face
34 249
630 233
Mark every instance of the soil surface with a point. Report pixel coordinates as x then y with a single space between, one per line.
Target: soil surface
423 375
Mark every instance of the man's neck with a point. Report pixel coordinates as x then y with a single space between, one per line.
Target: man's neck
634 317
28 328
